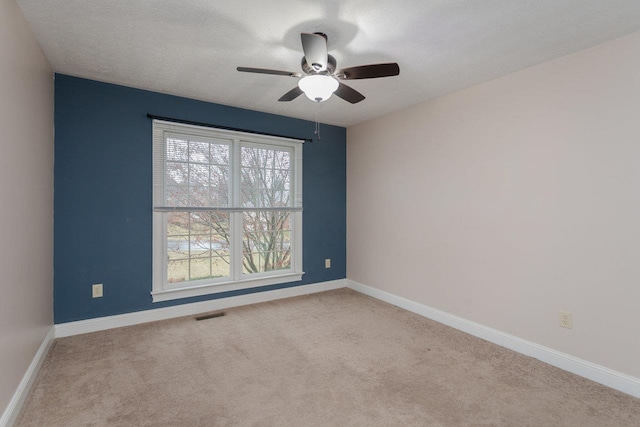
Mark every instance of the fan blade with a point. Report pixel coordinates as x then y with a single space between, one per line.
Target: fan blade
315 50
267 71
348 94
369 71
291 95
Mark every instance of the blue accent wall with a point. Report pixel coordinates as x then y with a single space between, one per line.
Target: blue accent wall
103 194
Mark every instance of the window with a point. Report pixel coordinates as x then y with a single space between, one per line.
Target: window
227 210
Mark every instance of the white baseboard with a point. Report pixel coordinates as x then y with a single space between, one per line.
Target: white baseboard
13 409
135 318
600 374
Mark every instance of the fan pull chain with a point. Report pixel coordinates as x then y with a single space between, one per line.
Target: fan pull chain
317 132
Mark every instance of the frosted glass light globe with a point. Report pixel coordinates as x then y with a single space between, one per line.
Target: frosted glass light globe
318 87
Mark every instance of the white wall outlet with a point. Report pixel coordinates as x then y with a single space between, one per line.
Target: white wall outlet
565 320
96 291
327 263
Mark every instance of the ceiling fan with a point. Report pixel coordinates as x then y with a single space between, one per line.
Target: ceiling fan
320 79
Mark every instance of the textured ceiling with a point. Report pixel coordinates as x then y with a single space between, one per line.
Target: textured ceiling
191 48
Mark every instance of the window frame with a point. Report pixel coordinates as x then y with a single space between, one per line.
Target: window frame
162 290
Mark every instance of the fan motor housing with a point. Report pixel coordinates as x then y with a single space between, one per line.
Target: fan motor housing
331 66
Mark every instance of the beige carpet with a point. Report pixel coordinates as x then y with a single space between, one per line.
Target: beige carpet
337 358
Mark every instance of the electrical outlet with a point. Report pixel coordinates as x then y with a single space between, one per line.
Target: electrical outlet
327 263
565 319
96 291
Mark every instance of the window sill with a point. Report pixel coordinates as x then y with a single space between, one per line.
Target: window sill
216 288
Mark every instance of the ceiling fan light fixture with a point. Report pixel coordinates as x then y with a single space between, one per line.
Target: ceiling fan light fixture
318 87
320 77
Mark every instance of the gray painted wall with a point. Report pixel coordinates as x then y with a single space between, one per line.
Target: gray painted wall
509 201
26 193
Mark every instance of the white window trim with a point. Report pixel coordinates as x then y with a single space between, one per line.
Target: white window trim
163 291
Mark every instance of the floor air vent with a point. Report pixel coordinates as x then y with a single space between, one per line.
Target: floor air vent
210 316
